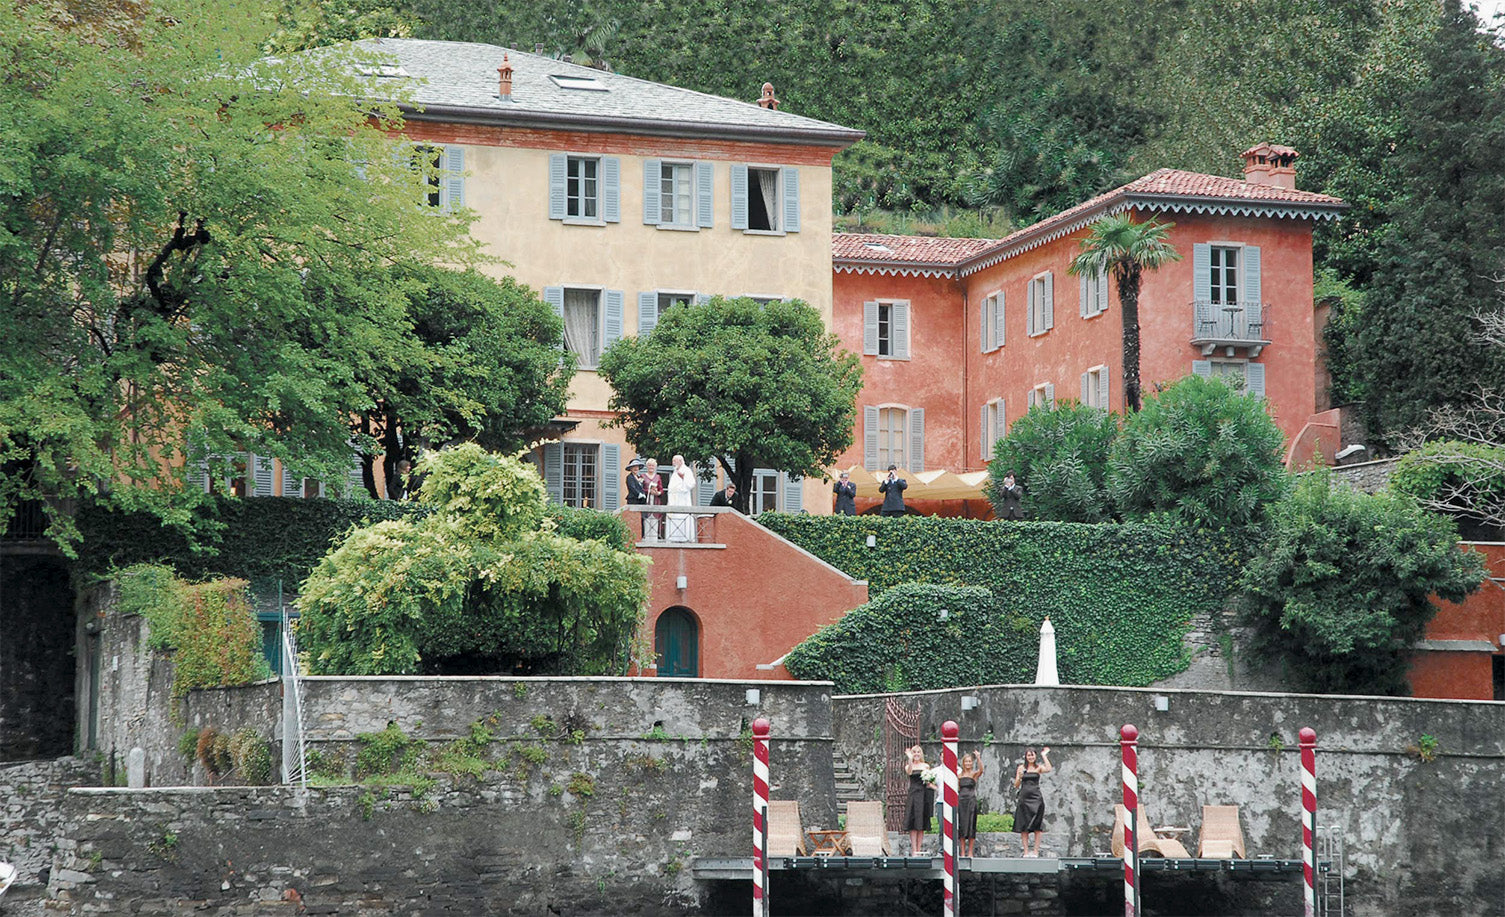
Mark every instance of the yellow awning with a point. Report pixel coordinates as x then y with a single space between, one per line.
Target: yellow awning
925 485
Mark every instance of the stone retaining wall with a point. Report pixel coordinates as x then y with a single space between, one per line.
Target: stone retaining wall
31 811
1422 836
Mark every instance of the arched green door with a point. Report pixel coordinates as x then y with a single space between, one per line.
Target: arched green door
676 640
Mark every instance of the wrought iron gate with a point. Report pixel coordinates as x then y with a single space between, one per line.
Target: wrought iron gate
901 729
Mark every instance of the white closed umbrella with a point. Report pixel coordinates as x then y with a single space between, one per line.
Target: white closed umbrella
1045 670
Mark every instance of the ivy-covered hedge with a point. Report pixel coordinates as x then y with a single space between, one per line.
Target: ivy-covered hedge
1120 596
265 539
259 539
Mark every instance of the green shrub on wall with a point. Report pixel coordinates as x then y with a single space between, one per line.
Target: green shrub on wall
1121 598
209 627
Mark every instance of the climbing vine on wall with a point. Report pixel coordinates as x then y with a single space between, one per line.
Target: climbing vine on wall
1121 598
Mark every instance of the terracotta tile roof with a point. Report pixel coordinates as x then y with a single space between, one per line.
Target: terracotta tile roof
926 250
1170 189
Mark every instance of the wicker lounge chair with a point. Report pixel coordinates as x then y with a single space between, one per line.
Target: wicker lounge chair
1222 835
1148 840
866 832
786 834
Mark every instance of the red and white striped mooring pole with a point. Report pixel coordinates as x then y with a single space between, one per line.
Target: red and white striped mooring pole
948 816
1308 738
1129 742
760 817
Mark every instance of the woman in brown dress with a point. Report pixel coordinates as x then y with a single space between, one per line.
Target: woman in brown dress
966 804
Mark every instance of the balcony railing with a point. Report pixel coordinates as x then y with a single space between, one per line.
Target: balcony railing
1241 325
673 527
27 523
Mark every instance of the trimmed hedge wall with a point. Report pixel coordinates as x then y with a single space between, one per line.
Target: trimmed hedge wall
264 539
1121 598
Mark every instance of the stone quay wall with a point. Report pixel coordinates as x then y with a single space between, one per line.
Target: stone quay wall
31 794
1421 836
594 796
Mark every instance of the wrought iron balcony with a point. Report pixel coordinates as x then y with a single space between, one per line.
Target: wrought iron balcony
1233 326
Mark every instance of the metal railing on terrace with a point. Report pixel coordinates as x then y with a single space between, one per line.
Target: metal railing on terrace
1230 324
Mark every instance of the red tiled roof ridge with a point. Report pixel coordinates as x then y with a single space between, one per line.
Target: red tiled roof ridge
1172 183
869 246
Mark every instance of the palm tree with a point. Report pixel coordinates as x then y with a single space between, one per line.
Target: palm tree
1126 249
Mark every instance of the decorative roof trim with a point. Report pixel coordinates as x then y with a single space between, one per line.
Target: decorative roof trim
653 127
986 260
1164 202
890 270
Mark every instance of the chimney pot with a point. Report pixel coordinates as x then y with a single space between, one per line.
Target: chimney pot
1271 165
768 100
504 75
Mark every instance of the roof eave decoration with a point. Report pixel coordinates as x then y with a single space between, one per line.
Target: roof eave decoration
835 137
1314 210
893 268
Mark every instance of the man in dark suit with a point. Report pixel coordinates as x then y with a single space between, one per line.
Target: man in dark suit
1012 494
637 492
892 488
726 496
846 495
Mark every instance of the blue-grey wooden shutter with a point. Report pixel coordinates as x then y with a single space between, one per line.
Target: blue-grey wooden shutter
262 477
917 439
613 321
1000 326
792 492
197 475
702 298
1253 310
739 196
1254 379
454 177
554 296
869 438
1102 384
898 330
647 313
1201 269
1050 301
986 439
611 481
611 189
1086 388
558 166
791 199
1050 395
355 479
1202 368
705 199
984 331
291 485
653 174
1083 295
706 483
1032 307
1102 292
553 470
870 329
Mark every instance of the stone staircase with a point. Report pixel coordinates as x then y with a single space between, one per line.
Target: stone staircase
848 788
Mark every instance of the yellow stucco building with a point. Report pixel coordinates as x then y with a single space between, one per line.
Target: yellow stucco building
618 198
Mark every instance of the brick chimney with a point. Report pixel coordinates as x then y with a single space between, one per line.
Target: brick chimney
1272 165
504 75
768 101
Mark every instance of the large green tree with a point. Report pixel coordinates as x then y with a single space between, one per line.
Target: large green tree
1342 590
482 364
1200 452
1060 456
171 202
1439 265
1125 249
747 384
486 583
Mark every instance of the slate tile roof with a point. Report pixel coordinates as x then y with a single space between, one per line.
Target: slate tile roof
1171 189
450 78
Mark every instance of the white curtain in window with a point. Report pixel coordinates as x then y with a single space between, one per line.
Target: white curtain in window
581 320
768 184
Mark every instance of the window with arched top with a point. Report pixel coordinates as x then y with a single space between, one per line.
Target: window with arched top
676 642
